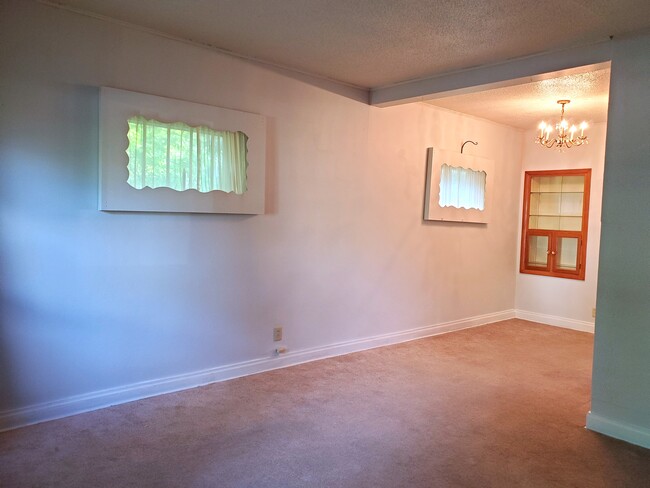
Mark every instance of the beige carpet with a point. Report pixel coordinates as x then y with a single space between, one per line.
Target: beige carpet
496 406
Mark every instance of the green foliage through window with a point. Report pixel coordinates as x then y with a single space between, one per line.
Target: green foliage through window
182 157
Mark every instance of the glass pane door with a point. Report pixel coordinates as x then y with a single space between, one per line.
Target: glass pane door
537 251
566 254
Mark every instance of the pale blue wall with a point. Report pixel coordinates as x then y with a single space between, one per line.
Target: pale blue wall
621 375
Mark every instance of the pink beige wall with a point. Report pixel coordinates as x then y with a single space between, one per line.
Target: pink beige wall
96 305
555 300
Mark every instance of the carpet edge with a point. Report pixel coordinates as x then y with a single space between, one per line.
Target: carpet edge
87 402
554 320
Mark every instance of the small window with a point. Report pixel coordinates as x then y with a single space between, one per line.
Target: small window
554 227
180 166
459 187
462 187
181 157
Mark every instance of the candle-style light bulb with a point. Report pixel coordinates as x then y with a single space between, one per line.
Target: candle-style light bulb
583 126
541 128
573 131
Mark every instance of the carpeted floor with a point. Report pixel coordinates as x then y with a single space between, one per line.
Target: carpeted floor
501 405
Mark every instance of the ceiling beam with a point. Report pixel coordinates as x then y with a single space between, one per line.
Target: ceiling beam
508 73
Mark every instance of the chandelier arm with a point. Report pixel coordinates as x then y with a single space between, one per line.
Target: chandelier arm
550 143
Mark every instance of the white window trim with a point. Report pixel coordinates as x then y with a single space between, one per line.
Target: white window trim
432 209
115 194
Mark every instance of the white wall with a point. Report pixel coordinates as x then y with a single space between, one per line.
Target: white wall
557 300
94 301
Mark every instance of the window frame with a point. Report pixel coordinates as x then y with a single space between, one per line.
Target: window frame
117 195
432 209
551 268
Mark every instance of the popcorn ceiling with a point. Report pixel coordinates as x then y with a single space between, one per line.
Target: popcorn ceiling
374 43
525 105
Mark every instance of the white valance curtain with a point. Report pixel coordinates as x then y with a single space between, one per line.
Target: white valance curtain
182 157
462 187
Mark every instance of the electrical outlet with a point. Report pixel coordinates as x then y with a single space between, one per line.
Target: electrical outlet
277 334
593 312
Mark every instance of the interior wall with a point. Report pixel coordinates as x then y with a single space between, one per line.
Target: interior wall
94 301
621 376
558 298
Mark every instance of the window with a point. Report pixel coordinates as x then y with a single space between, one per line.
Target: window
181 157
150 166
462 187
459 187
554 225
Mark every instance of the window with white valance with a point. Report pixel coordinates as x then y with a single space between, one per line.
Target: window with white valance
462 187
182 157
160 154
457 187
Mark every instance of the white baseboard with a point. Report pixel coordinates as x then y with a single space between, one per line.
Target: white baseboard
633 434
11 419
573 324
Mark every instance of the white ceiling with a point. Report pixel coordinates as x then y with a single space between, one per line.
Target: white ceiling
377 43
525 105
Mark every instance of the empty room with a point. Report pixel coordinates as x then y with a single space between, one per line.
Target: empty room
324 243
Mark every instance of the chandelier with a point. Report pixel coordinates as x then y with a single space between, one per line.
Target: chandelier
566 136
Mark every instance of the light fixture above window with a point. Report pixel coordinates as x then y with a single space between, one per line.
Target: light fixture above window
566 136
